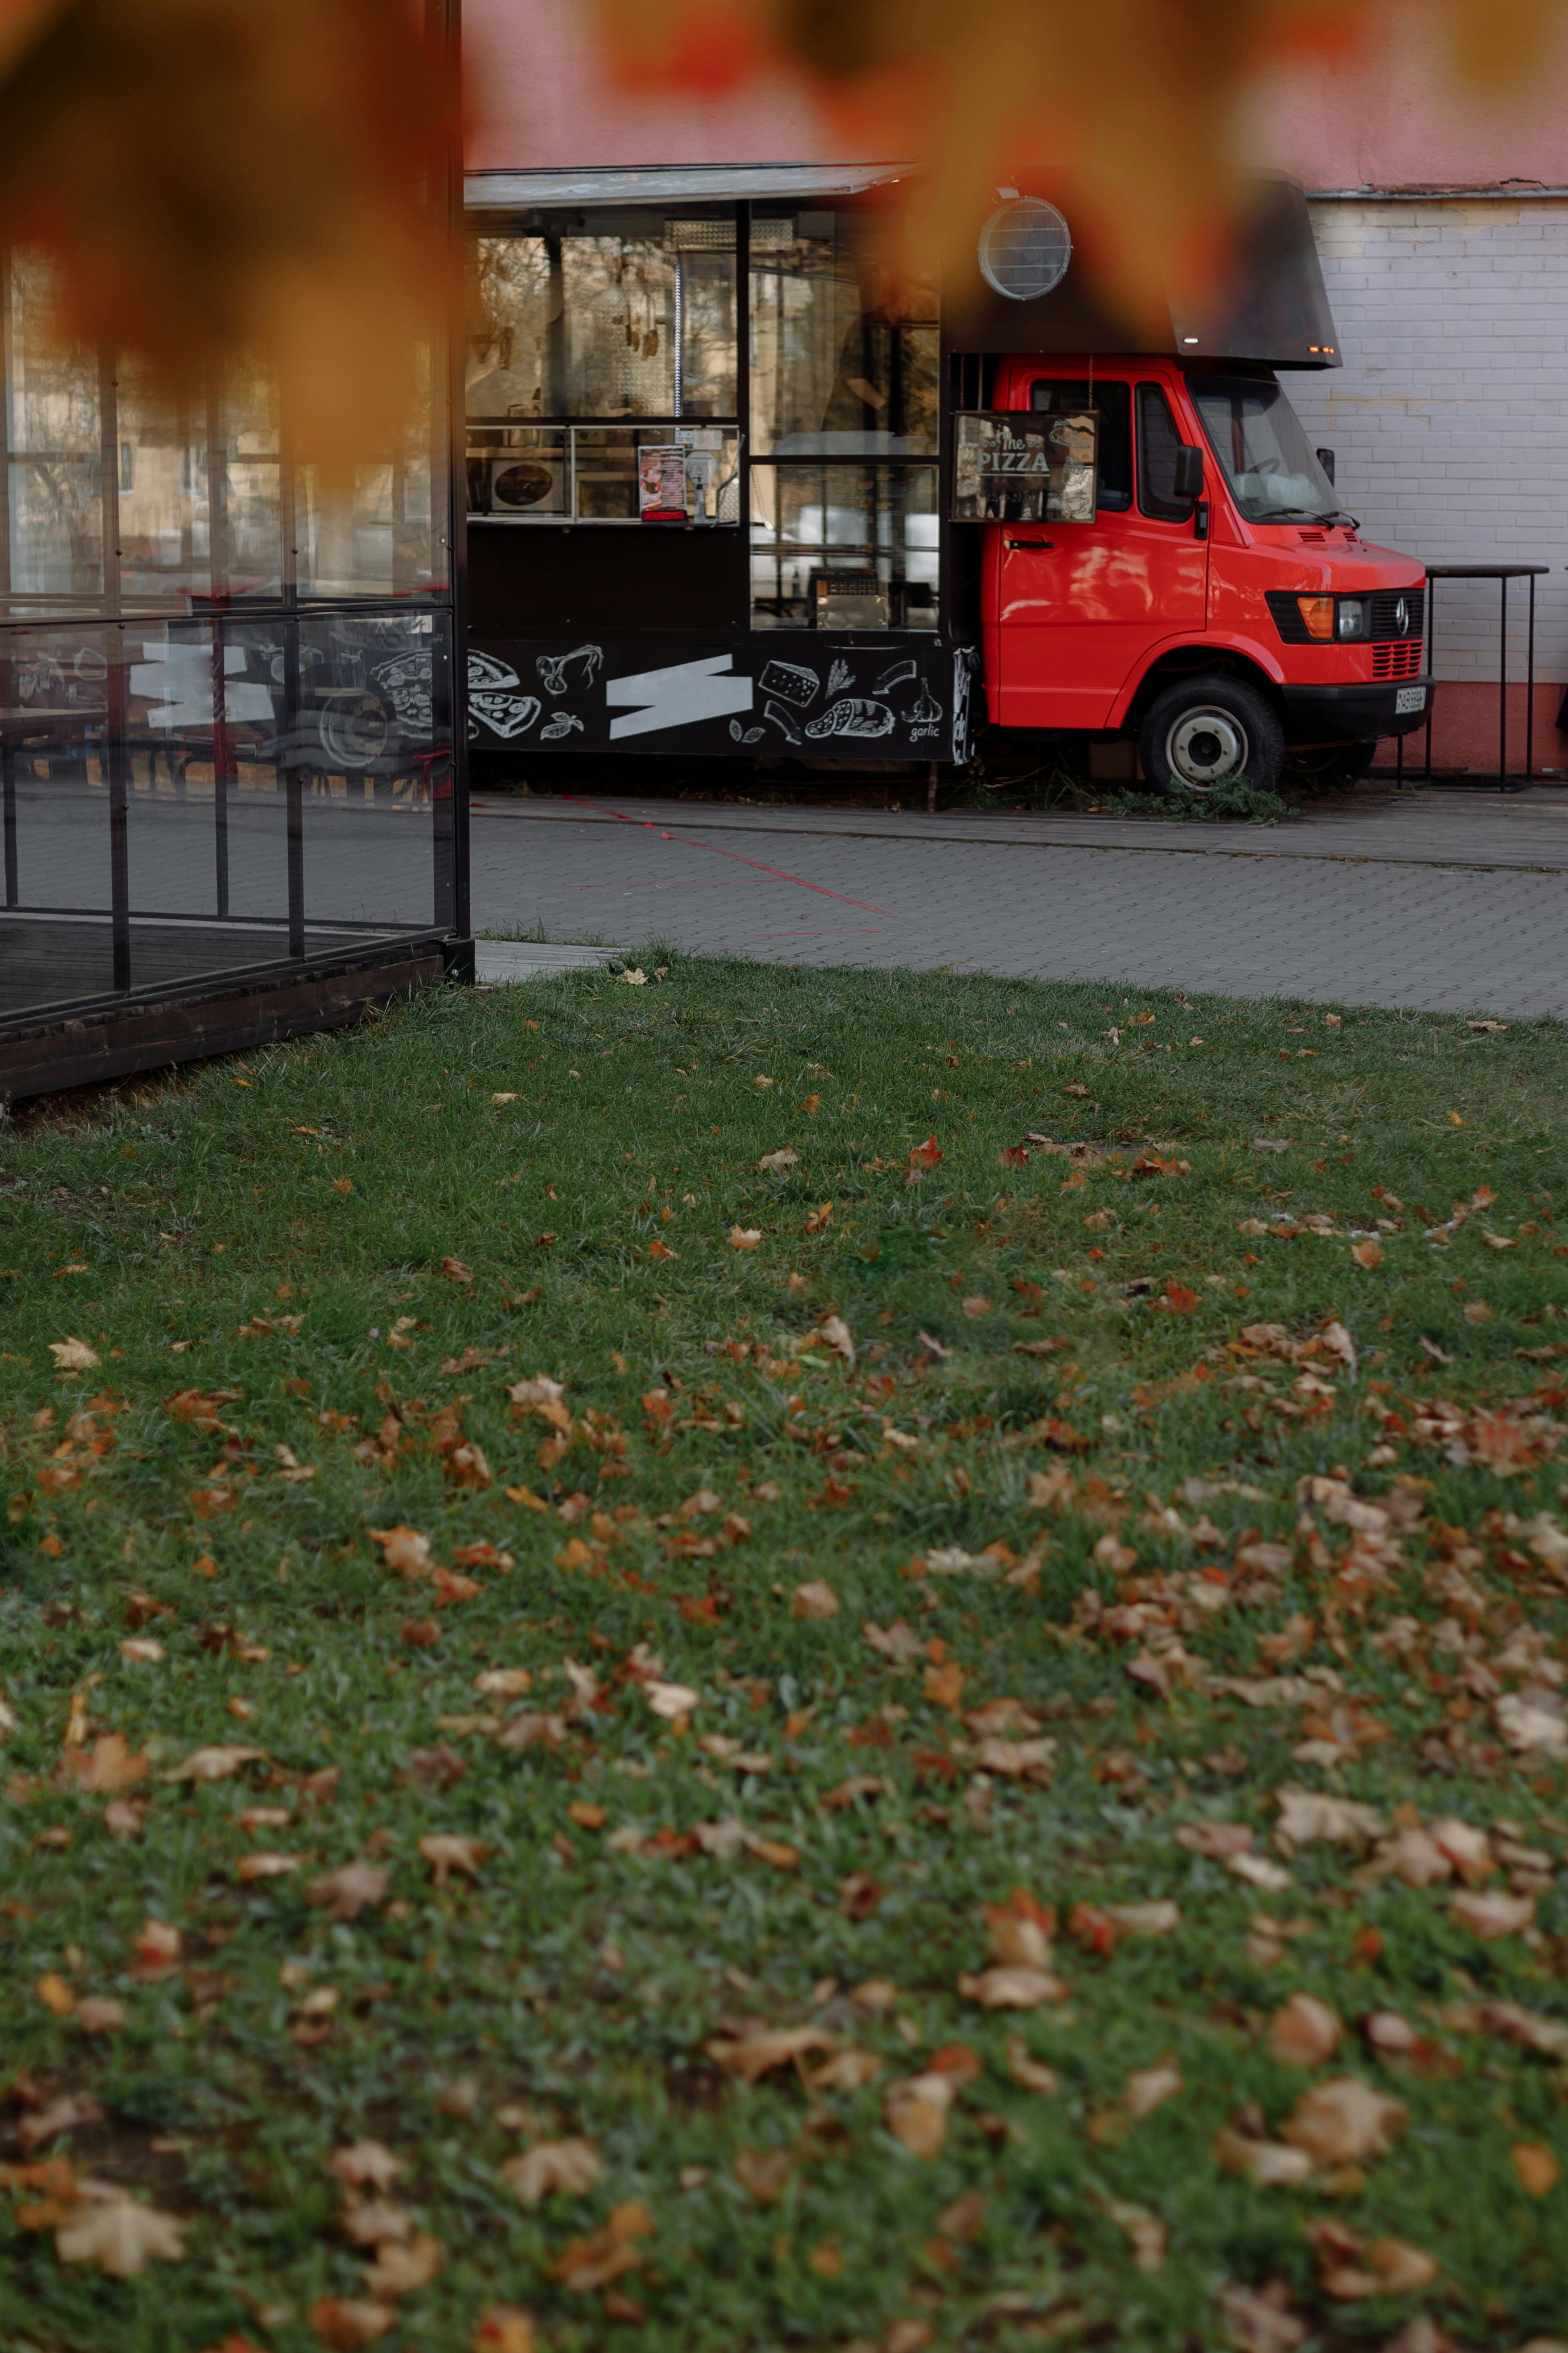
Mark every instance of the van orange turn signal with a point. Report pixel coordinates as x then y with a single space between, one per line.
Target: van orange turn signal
1318 612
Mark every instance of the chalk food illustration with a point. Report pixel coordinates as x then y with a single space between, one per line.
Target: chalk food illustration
406 682
783 721
838 678
852 715
562 724
553 669
745 735
790 683
899 674
926 711
495 698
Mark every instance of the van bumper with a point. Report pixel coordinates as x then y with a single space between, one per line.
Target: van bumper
1327 714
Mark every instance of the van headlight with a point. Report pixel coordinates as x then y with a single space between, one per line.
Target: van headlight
1353 618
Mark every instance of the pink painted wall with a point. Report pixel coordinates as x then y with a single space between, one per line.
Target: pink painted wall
1391 120
540 98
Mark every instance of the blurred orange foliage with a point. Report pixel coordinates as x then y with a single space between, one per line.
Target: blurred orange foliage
1137 103
216 177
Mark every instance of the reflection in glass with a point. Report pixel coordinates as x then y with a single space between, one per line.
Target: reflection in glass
845 354
589 473
635 318
880 521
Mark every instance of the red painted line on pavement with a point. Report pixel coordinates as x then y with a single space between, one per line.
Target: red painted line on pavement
777 871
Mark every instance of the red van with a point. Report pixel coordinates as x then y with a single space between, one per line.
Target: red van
1221 606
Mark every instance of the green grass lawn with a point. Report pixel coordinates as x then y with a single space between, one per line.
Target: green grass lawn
1009 1622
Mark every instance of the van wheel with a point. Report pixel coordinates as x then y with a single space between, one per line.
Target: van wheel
1203 732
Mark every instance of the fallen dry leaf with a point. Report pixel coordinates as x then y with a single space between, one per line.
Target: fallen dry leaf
837 1336
752 2056
364 2165
343 2322
670 1701
1538 2169
115 2234
102 2013
505 2328
106 1766
448 1851
1148 2088
73 1356
916 2112
399 2270
55 1994
1367 1252
405 1549
572 2166
1007 1987
1345 2122
777 1162
1492 1916
765 2173
1160 1918
1032 2073
1261 2321
1305 2032
592 2262
1306 1817
745 1238
344 1894
815 1600
1267 2164
1146 2235
216 1763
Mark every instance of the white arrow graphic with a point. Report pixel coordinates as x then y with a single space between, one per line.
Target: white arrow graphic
676 697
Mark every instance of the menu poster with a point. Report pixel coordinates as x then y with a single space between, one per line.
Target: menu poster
661 483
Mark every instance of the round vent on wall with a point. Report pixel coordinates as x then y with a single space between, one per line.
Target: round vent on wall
1024 250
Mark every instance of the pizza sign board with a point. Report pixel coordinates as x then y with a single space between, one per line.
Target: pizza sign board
1017 466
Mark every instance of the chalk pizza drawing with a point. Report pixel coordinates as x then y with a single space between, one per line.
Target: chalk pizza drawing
495 698
406 680
562 724
838 678
790 683
587 661
899 675
853 714
782 722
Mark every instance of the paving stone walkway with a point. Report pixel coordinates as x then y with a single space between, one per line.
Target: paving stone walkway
1438 901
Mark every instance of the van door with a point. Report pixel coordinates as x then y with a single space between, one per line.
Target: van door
1080 606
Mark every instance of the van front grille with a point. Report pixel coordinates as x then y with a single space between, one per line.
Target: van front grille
1401 660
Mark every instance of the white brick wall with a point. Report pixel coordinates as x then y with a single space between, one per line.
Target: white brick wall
1449 418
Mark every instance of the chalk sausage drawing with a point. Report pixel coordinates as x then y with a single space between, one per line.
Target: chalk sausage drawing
852 715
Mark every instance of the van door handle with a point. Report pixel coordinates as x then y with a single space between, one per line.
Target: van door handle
1031 542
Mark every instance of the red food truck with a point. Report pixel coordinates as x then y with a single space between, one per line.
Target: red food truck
738 488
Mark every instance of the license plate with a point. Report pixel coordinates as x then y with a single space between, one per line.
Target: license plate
1409 698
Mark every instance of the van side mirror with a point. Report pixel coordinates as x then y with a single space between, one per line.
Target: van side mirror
1326 459
1188 479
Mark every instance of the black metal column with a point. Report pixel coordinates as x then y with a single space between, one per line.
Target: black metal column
116 756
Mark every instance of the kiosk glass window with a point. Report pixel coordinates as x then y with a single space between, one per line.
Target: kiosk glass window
844 548
845 351
604 315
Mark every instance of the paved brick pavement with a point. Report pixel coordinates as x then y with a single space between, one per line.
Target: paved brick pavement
1439 903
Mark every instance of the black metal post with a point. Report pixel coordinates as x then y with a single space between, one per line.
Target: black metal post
116 758
455 916
1530 692
1432 669
1502 688
8 770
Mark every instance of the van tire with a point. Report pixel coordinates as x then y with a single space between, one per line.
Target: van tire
1200 732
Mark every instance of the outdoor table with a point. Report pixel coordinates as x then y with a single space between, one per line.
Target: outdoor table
1503 574
16 727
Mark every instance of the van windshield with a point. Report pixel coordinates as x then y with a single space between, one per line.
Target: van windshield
1257 438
